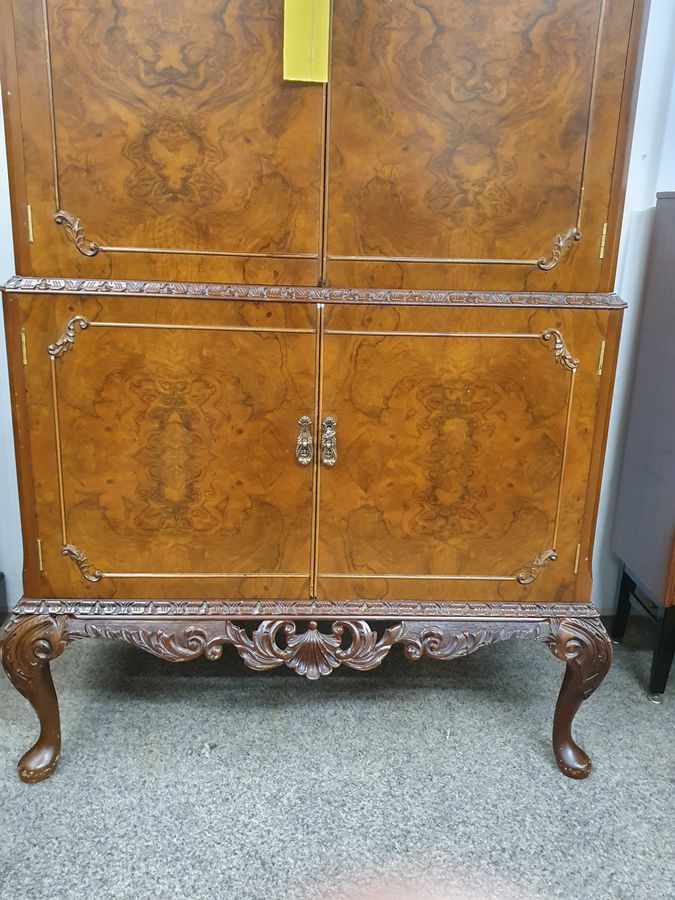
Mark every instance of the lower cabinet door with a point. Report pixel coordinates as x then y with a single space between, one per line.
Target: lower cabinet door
164 440
458 462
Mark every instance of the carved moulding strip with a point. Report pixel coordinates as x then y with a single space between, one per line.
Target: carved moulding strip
75 232
561 245
67 339
282 293
299 609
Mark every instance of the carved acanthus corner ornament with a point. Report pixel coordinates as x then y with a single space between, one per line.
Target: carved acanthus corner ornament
82 563
75 232
561 353
67 339
528 574
561 245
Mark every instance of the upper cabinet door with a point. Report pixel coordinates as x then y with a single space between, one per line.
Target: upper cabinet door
472 142
160 141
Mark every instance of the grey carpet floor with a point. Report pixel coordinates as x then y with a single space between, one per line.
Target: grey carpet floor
425 779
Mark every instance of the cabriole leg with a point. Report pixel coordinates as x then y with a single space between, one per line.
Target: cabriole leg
29 644
584 646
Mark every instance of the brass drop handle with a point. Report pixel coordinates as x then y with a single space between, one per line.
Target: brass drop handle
328 441
304 447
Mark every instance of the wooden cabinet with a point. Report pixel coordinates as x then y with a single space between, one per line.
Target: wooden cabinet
167 451
456 145
311 370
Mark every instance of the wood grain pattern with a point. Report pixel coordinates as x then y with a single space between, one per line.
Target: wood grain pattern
450 453
175 444
492 405
173 129
157 142
466 131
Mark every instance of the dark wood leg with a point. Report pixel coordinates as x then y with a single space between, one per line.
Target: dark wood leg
29 644
664 651
584 646
620 620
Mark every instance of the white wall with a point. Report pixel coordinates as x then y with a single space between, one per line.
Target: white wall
652 169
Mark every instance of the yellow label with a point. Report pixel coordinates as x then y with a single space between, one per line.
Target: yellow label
306 26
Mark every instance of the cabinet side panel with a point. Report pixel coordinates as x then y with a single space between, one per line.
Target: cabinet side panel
629 97
22 442
607 369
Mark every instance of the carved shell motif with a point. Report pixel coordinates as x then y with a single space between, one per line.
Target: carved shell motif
312 653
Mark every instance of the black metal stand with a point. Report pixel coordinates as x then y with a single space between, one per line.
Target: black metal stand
664 618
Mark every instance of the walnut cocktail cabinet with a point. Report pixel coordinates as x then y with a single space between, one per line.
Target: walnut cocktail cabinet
211 458
312 369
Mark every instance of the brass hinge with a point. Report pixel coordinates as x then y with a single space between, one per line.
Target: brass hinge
24 352
576 560
39 554
29 217
603 241
601 360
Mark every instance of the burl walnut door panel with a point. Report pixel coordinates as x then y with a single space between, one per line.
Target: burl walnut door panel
472 143
163 439
464 442
165 141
